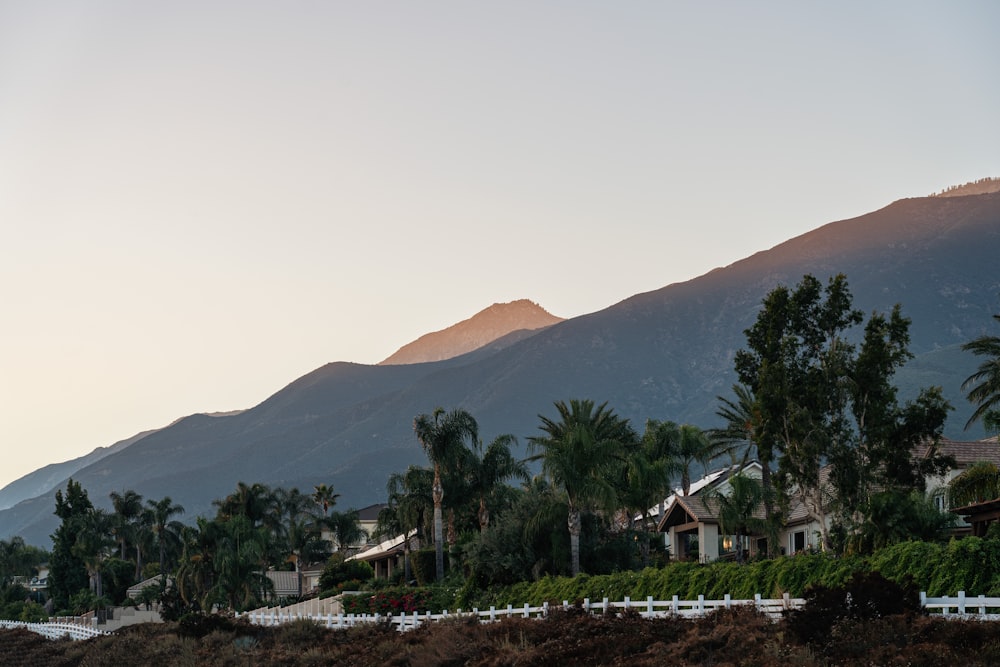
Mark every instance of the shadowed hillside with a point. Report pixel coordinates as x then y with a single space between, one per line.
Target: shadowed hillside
665 354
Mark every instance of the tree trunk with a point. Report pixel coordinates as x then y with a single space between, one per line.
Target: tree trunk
574 524
438 495
483 516
406 560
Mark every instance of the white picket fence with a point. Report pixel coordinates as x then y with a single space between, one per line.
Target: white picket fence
648 608
963 606
958 607
57 629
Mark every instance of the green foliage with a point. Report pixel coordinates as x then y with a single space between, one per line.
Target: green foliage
423 564
339 571
67 571
15 604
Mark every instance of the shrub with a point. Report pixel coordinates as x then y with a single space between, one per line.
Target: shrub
389 601
424 565
338 571
866 597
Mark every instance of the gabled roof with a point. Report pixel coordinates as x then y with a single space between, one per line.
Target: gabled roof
694 507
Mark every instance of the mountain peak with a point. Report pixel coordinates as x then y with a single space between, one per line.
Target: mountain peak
481 329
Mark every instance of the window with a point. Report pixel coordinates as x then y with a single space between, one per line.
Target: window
797 541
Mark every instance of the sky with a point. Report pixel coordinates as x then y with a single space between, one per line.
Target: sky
201 202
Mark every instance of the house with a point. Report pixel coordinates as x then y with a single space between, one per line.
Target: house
976 517
386 557
693 519
367 520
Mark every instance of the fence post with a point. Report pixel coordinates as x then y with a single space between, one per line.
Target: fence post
982 605
701 605
545 609
649 606
961 602
787 600
674 606
586 605
527 610
728 601
628 602
565 605
756 600
605 605
493 613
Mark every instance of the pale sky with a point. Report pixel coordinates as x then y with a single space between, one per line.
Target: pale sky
202 201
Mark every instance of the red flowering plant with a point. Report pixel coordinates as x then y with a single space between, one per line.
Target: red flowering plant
389 601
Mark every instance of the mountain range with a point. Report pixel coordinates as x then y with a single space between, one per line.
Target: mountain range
665 354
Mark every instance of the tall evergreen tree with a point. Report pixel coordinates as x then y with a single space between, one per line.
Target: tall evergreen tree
821 399
67 570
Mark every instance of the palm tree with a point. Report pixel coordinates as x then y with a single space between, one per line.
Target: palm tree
737 509
409 503
489 469
346 529
742 429
443 437
983 386
325 497
163 528
648 477
659 446
93 543
583 453
693 445
128 514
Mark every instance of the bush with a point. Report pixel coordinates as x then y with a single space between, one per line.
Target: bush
389 601
424 565
339 571
866 597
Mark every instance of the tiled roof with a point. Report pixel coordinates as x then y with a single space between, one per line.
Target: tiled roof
966 452
286 583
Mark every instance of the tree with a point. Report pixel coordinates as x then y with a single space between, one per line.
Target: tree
489 469
443 437
983 386
738 509
18 559
128 525
742 418
583 453
346 529
93 543
67 571
819 399
694 446
167 532
325 497
407 508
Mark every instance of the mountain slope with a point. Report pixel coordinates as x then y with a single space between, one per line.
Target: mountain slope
665 354
483 328
51 476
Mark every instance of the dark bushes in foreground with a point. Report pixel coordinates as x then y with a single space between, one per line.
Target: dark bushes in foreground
738 636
